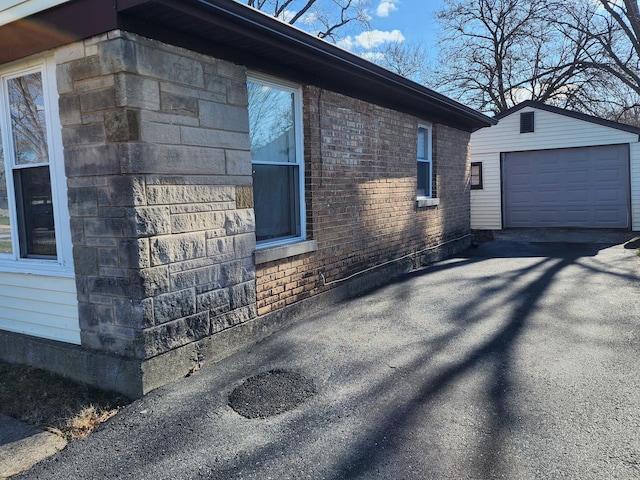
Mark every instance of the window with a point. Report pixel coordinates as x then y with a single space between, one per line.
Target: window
476 175
275 116
526 122
30 146
425 167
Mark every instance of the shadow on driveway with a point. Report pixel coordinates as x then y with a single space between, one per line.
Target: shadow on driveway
513 360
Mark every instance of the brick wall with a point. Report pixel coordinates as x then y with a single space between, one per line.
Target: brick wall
360 162
159 176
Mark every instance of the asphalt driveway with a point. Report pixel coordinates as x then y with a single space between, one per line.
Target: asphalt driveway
515 360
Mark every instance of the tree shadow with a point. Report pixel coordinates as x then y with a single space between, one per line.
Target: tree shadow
221 445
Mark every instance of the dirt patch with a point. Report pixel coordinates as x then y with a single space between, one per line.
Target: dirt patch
54 403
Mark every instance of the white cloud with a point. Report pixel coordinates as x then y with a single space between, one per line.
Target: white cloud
347 42
386 7
375 38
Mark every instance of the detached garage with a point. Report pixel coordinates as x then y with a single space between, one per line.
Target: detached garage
546 167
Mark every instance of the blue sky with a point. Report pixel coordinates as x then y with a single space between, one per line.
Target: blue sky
410 21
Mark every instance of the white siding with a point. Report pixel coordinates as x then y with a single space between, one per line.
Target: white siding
552 130
12 10
485 203
39 305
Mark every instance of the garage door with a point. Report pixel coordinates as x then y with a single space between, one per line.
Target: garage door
574 187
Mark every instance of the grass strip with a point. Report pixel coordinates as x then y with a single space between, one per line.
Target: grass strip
54 403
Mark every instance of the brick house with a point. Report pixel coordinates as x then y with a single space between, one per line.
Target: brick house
182 178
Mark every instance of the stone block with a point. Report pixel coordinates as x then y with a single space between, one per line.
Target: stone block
85 260
64 82
232 273
174 305
216 302
181 194
196 222
221 249
237 93
121 346
135 314
97 83
82 202
247 269
92 316
81 182
171 159
134 253
168 118
231 70
117 55
115 286
98 100
70 52
244 245
159 133
83 134
177 248
127 191
108 227
108 257
238 162
239 221
157 63
232 318
77 231
224 117
86 67
137 92
206 137
91 160
243 295
122 125
244 196
175 334
149 221
93 117
69 106
179 104
196 93
152 282
202 279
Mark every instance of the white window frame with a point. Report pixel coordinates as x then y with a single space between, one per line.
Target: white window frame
62 265
296 90
429 160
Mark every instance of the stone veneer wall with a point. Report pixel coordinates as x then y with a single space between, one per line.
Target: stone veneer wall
159 176
360 162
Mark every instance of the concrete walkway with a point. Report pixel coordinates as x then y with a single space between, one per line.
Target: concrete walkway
518 359
22 446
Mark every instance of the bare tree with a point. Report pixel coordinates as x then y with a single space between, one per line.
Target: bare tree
614 27
408 60
497 53
324 18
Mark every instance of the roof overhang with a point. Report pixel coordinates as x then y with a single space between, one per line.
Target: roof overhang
232 31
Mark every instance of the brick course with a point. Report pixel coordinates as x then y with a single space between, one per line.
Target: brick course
360 181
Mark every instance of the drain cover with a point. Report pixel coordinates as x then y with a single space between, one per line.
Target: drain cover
271 393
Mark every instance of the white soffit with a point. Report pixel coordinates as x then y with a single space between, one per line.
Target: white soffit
12 10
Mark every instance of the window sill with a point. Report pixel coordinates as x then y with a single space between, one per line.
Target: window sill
427 202
269 254
36 268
